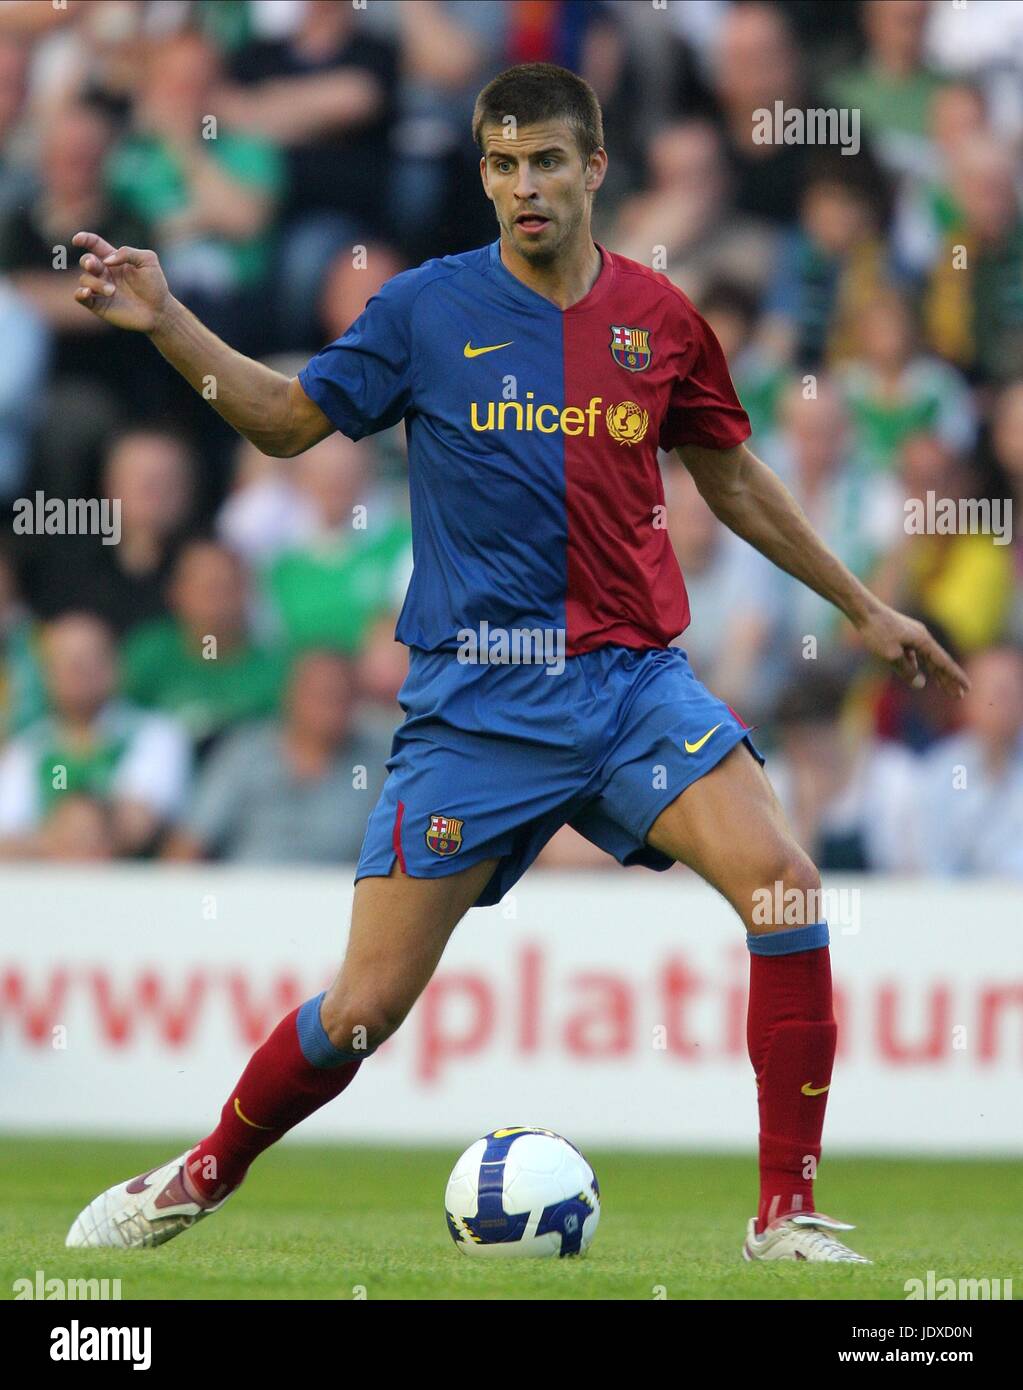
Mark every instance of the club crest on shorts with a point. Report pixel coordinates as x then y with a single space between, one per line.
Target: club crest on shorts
444 834
630 348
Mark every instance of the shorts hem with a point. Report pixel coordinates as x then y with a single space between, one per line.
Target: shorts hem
722 750
444 868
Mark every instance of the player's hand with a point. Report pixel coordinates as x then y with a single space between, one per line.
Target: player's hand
911 651
121 285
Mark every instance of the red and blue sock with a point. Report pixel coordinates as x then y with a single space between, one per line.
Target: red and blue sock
791 1034
295 1072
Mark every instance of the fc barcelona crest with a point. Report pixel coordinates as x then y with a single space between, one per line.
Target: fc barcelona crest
444 834
630 348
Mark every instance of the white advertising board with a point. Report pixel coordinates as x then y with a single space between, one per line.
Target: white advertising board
611 1008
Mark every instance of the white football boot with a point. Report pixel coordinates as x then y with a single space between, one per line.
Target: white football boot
140 1213
802 1236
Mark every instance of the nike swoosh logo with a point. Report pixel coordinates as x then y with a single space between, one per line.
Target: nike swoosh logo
470 351
251 1123
695 747
139 1184
809 1090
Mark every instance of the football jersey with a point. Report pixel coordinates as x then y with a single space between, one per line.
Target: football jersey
533 431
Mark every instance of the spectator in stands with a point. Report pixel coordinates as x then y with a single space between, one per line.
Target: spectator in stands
756 64
677 58
266 511
686 210
892 391
202 663
731 593
149 472
348 286
974 309
15 176
448 52
27 351
350 282
35 235
327 591
92 50
858 514
80 830
294 790
93 745
986 50
892 87
850 798
1007 437
830 266
209 191
1007 449
22 696
89 386
759 375
971 797
382 666
325 94
959 578
926 208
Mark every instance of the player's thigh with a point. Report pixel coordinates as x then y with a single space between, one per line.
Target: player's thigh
730 828
400 926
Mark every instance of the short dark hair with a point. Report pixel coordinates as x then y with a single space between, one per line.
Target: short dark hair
534 92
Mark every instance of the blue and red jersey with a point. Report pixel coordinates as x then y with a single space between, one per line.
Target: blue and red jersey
533 433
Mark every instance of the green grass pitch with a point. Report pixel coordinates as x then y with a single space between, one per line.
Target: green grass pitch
341 1223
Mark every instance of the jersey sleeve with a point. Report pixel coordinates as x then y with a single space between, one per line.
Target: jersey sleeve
363 380
704 408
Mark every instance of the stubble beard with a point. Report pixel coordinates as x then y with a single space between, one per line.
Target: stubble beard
549 254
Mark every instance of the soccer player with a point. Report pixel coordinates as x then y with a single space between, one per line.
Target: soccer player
537 378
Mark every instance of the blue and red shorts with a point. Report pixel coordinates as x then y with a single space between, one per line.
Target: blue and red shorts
492 760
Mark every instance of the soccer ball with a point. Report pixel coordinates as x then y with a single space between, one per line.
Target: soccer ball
522 1191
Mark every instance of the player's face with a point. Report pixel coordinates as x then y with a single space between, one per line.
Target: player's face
540 186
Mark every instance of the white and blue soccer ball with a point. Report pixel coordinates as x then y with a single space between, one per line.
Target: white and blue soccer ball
522 1191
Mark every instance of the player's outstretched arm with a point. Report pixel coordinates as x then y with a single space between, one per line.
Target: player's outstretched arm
753 502
126 287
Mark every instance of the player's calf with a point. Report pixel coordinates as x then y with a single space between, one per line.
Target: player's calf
295 1072
730 828
399 929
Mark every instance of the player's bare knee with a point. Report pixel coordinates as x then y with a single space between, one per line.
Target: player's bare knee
787 891
359 1024
802 876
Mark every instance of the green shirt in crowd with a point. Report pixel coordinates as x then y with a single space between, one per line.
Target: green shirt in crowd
164 671
22 692
887 104
145 176
330 594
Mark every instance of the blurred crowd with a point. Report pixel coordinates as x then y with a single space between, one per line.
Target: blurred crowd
220 683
